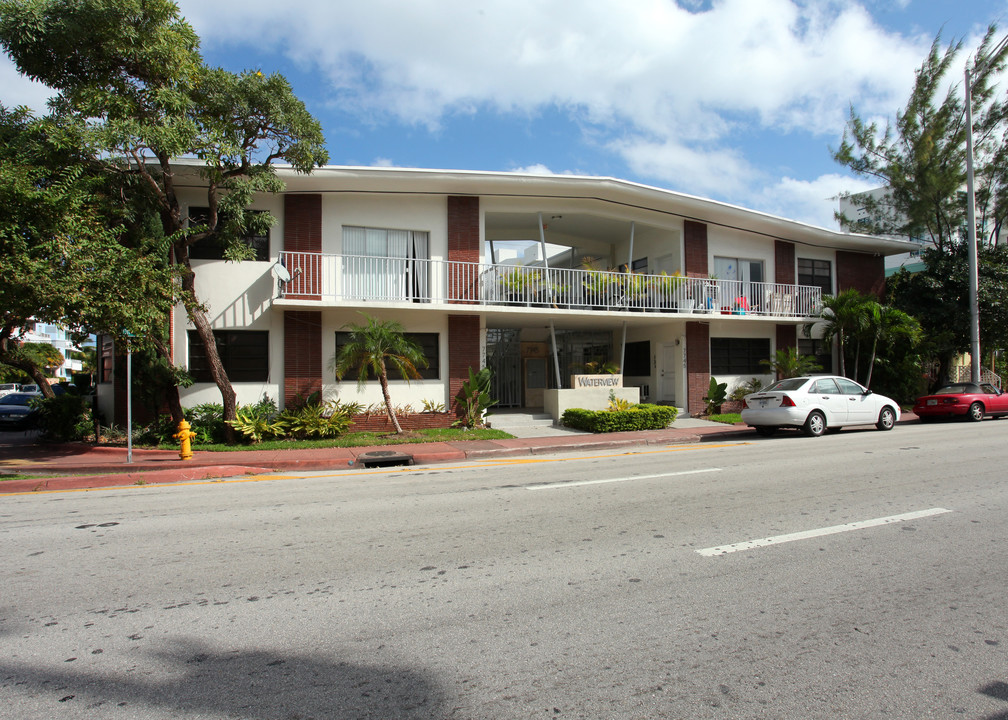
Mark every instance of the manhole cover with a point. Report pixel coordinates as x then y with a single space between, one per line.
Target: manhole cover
383 458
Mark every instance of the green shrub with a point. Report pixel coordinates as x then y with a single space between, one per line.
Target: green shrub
715 397
747 388
65 417
638 417
256 426
314 421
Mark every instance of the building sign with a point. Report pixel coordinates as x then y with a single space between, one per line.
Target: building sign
596 381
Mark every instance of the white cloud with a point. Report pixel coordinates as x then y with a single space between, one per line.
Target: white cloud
651 63
688 168
536 169
672 88
809 201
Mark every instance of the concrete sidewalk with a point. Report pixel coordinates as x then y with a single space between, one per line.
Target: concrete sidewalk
80 466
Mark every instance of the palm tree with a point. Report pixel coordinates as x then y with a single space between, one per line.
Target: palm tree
845 318
787 363
369 348
886 324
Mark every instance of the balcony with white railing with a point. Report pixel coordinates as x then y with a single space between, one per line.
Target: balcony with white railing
331 279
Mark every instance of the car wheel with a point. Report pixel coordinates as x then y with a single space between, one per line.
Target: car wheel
886 419
815 424
975 412
765 430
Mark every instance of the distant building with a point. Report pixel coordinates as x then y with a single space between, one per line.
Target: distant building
910 260
61 339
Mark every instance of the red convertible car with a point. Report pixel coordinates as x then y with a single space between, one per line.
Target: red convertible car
966 400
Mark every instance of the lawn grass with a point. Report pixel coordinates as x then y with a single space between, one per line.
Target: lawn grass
727 418
362 439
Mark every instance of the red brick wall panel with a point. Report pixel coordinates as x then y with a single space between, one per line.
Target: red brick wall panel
787 337
463 246
416 421
302 354
860 271
784 262
463 352
695 246
303 234
697 366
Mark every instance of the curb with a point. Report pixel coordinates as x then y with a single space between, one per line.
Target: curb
160 471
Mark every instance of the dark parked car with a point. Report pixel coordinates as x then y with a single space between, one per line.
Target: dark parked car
17 411
962 400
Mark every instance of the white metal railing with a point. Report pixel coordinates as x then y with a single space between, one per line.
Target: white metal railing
964 374
333 278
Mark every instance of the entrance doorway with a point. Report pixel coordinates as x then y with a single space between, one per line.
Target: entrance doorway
504 360
667 374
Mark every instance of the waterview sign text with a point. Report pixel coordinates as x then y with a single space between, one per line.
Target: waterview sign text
596 381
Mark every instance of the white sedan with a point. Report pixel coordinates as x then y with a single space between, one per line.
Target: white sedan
816 404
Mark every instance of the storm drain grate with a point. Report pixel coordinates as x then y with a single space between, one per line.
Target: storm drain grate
383 458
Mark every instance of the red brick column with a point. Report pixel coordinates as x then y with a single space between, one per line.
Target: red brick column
784 262
695 246
463 352
463 246
303 234
302 354
697 366
860 271
787 337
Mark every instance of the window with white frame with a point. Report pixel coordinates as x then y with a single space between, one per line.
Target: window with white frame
736 278
817 273
385 264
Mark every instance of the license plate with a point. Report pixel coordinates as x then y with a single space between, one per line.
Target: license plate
932 402
763 403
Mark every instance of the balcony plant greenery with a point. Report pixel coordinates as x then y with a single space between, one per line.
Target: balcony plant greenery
668 290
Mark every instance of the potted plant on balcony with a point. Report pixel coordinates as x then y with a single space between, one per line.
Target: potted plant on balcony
635 289
596 286
668 291
518 286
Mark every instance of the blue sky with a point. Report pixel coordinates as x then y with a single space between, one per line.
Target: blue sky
735 100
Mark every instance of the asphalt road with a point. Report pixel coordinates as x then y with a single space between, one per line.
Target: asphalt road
857 575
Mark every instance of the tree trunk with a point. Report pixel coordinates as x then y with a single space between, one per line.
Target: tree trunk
383 379
172 393
36 373
198 317
871 363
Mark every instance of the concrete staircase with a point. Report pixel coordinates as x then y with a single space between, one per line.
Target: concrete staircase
525 423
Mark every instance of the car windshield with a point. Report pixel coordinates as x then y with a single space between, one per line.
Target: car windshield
957 389
787 384
17 399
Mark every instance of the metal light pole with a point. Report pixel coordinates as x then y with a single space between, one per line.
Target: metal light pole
974 279
974 274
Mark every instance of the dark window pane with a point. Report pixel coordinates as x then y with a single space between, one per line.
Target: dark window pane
739 356
243 353
817 273
637 359
429 345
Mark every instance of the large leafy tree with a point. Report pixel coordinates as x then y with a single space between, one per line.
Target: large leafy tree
920 158
131 72
60 255
370 349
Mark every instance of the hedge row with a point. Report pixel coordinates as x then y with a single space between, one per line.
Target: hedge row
638 417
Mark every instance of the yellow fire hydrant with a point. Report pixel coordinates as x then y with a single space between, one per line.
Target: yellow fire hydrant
185 436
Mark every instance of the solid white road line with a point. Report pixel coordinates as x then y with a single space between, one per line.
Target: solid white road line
579 483
807 534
